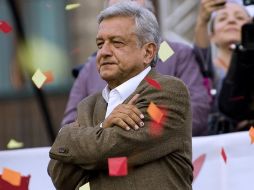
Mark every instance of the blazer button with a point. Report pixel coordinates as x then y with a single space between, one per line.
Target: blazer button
63 150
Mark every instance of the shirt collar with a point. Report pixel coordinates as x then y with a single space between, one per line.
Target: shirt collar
128 87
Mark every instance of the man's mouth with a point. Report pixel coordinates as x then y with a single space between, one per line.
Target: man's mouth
107 63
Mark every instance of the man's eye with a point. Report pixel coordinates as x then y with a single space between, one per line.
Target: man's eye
118 44
99 45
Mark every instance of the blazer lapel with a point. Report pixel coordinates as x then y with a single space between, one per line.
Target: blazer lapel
152 74
100 110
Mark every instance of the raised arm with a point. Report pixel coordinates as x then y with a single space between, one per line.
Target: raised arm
206 8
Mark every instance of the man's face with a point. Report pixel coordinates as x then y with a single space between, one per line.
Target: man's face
119 57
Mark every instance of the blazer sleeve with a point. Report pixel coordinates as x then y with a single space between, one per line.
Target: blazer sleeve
91 146
67 176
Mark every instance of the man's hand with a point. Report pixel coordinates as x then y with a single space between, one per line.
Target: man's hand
126 116
209 6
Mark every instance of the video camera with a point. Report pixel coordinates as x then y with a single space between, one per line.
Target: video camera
236 98
248 2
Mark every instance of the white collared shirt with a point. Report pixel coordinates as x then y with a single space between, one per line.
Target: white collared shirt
117 95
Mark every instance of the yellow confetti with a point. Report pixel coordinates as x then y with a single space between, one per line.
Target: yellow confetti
14 144
72 6
85 187
39 78
165 51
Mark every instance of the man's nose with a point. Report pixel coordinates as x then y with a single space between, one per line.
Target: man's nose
106 49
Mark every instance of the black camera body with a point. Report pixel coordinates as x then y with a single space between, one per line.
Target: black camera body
236 98
248 2
248 36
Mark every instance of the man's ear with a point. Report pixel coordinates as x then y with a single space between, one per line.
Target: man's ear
150 52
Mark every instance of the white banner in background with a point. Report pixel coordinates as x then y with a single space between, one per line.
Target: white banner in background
237 173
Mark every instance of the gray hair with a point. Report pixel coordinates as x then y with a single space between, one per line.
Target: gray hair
147 4
147 28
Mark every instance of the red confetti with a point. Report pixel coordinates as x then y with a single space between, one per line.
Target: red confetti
50 77
153 83
156 128
5 27
4 185
223 154
198 164
117 166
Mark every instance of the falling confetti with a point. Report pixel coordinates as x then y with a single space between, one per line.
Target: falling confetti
39 78
165 51
72 6
11 177
85 187
155 113
198 164
251 133
5 27
14 144
49 77
117 166
4 185
155 129
223 154
153 83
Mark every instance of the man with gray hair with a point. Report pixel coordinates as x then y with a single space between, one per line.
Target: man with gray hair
181 64
118 121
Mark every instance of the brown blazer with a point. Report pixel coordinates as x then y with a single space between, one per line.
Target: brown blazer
80 151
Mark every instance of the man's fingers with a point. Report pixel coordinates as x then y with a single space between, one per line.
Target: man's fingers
132 120
130 110
133 99
121 123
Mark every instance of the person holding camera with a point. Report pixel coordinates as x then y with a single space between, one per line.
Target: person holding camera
219 23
